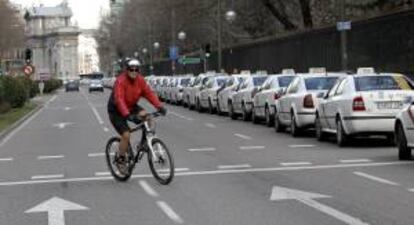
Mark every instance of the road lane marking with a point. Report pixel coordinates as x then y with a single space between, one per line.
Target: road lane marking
95 111
106 129
44 157
251 147
6 159
355 160
201 149
170 212
301 146
148 189
222 167
242 136
374 178
181 116
52 176
99 174
210 125
411 190
32 117
212 172
176 170
98 154
295 163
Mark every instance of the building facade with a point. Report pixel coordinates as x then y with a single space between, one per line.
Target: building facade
88 55
53 41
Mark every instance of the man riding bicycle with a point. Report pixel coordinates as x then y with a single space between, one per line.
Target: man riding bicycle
123 106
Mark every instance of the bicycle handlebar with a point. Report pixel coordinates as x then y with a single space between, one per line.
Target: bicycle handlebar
149 115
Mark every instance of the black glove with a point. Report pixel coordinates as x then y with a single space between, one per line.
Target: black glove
162 111
134 118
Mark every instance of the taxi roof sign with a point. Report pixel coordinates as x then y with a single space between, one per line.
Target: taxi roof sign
288 71
245 72
261 72
317 70
365 70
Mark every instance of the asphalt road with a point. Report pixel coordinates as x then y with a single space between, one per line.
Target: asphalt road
228 172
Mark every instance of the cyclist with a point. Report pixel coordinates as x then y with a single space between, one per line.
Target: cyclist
123 106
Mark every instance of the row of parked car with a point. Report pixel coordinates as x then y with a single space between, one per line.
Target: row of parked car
345 105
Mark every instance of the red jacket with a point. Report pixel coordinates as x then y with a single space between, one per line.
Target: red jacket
128 92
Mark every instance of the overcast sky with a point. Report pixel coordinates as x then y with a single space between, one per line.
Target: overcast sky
86 12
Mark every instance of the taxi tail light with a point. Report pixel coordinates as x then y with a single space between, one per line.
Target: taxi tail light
277 96
358 104
308 101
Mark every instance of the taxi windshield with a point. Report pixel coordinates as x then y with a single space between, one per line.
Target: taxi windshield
320 83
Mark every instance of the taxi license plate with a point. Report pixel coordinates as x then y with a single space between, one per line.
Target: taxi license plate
389 105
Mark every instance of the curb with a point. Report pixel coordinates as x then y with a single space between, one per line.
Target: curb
9 129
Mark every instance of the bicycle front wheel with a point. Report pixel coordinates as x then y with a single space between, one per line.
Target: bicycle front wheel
161 162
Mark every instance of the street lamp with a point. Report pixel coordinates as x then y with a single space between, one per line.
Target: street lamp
136 54
182 36
231 15
145 50
156 45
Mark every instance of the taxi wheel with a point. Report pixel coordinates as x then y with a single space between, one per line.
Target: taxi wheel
404 152
269 118
232 115
294 129
219 112
255 119
278 126
341 136
199 108
245 115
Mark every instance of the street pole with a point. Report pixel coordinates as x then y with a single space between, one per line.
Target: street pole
151 51
173 32
344 50
219 31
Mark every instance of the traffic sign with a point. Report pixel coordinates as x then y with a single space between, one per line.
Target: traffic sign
28 70
173 52
346 25
185 60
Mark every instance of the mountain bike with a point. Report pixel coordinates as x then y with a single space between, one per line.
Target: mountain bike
157 152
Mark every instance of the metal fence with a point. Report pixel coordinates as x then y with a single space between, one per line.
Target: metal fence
386 43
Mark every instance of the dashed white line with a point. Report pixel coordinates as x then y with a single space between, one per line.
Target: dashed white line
6 159
100 174
301 146
106 129
170 212
355 160
242 136
201 149
148 189
374 178
251 147
44 157
98 154
234 166
53 176
98 117
295 163
210 125
181 116
411 190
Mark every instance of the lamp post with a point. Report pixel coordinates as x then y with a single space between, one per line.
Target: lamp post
230 16
182 36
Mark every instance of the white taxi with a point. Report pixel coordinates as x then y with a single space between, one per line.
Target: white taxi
192 93
177 90
242 100
404 131
224 95
298 105
269 93
362 104
208 93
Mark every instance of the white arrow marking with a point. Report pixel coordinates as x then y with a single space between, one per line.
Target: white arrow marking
55 208
62 125
281 194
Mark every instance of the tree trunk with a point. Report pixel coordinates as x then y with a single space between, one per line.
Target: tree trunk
306 13
280 16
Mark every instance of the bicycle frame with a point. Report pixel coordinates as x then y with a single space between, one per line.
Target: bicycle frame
146 139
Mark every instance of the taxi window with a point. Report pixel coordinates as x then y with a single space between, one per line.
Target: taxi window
376 83
268 84
341 87
320 83
258 81
230 82
185 82
209 83
294 86
221 82
285 81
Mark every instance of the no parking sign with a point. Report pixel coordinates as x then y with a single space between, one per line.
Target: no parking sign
28 70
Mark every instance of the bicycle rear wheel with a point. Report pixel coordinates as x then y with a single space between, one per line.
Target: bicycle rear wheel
111 152
162 166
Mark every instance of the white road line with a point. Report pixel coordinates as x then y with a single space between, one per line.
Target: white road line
374 178
210 125
211 172
355 160
53 176
411 190
176 170
295 163
234 166
43 157
6 159
148 189
14 132
169 212
245 137
98 154
181 116
301 146
106 129
100 174
251 147
98 117
201 149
